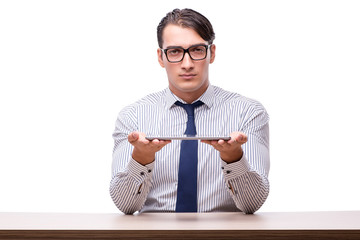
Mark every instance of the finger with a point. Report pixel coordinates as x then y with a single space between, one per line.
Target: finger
232 140
164 142
155 141
241 138
218 144
132 137
208 142
160 143
237 137
221 143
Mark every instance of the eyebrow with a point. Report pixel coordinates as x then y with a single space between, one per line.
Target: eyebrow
194 45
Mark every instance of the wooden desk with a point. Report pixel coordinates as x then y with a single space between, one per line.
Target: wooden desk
297 225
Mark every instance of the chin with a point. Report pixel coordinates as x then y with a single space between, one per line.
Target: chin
190 87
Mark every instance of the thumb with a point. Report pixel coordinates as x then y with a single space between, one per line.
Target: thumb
132 137
242 138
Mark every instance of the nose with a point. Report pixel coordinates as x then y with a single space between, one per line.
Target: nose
187 62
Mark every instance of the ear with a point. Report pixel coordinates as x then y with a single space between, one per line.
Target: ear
212 53
160 57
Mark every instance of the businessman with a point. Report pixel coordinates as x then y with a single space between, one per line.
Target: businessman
190 175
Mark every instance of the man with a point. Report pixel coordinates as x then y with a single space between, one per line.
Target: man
230 175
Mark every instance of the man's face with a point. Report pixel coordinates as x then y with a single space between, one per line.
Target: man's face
189 78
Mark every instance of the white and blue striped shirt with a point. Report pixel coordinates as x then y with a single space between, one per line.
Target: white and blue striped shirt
239 186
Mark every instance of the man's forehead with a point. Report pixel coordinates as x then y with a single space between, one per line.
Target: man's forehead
175 35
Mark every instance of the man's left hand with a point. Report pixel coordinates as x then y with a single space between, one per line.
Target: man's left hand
230 151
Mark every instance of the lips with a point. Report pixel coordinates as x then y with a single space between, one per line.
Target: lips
187 76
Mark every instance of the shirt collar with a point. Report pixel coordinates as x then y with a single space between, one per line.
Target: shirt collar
207 98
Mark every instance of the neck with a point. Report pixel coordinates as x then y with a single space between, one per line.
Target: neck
189 97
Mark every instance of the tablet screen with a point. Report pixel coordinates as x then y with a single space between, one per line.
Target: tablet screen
211 138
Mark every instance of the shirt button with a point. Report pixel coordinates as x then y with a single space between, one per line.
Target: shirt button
228 171
142 173
149 171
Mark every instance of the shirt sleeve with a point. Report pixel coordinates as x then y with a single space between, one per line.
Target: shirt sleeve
131 181
129 188
247 179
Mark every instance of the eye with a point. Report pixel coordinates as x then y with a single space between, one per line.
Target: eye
198 50
174 51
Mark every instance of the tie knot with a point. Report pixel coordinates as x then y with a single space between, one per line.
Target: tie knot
189 108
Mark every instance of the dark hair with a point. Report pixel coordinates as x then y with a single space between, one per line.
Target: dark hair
187 18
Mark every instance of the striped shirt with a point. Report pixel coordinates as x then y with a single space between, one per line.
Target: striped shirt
239 186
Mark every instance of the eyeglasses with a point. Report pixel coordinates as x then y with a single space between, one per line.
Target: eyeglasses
196 52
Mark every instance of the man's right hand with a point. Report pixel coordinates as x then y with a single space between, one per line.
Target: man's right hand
144 150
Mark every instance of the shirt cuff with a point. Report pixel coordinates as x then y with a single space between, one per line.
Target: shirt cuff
235 169
138 171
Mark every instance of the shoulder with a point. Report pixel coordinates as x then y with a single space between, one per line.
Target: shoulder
249 111
153 98
150 101
236 100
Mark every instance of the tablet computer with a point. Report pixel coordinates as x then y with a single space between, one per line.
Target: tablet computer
210 138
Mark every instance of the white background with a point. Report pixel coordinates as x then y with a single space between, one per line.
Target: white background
68 67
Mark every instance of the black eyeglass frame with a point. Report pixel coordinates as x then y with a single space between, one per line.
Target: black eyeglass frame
207 46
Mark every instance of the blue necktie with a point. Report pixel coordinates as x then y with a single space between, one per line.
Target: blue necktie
187 179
